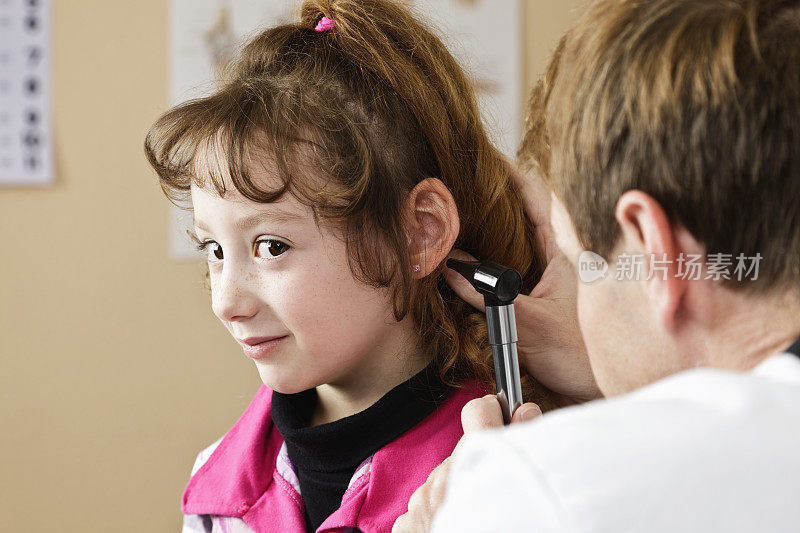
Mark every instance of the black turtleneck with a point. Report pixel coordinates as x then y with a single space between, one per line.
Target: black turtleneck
795 348
325 457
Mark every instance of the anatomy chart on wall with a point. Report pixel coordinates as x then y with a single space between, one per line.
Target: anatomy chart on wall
26 151
485 36
204 35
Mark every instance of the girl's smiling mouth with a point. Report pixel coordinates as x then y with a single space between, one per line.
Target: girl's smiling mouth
259 347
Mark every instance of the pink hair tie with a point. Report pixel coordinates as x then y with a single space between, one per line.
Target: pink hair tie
325 24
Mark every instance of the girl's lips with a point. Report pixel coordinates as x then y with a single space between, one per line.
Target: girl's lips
262 349
252 341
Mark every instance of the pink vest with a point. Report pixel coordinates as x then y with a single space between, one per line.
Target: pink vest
241 477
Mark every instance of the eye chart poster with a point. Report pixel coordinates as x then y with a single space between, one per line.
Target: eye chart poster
25 122
485 36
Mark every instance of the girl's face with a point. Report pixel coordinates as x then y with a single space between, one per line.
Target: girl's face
274 273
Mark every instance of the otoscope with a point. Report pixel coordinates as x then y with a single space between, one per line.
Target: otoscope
499 286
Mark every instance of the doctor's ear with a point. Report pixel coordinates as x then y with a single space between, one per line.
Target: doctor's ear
432 225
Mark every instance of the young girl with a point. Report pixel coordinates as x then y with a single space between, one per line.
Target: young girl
340 161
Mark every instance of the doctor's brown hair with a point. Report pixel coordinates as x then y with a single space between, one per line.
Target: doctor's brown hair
373 106
696 103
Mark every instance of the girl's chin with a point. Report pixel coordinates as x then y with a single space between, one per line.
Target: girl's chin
284 384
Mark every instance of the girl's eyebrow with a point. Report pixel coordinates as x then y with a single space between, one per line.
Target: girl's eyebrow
253 220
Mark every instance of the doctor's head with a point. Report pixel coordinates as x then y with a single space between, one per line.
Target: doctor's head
337 165
669 132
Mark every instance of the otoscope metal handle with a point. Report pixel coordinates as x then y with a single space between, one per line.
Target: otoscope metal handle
502 326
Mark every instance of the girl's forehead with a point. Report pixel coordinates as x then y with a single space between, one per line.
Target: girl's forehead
209 208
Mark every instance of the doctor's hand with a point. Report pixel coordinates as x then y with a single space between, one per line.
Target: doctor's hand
477 414
550 343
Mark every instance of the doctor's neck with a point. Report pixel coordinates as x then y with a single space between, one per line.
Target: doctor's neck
748 329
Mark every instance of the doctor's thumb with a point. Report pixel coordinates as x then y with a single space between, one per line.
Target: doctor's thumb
525 412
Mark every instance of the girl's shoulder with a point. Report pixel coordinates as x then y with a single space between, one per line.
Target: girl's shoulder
204 454
250 423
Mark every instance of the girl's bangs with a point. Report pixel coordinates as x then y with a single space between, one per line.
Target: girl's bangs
219 142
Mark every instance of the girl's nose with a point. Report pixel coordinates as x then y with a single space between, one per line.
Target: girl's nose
231 297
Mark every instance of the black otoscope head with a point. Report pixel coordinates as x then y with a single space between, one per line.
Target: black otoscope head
498 284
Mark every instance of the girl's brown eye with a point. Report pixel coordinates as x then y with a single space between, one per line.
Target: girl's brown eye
216 249
273 248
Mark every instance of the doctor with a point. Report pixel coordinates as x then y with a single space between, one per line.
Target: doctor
669 134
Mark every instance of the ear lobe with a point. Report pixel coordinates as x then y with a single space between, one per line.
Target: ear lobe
432 225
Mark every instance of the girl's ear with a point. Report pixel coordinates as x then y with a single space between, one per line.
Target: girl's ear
432 225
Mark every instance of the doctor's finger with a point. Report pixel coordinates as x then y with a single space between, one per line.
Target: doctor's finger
460 285
534 193
481 413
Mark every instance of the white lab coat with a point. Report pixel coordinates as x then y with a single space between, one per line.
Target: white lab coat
704 450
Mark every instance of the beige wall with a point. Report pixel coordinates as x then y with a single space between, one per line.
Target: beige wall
114 370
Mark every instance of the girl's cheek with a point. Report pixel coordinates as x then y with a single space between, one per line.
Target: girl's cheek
323 301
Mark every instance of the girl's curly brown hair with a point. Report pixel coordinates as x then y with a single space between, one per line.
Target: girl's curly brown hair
379 104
